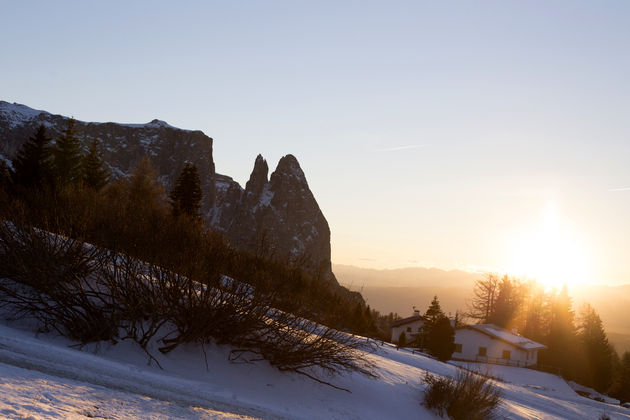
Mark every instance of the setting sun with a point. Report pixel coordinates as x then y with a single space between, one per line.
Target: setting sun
552 254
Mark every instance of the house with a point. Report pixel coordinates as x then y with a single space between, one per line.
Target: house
410 326
492 344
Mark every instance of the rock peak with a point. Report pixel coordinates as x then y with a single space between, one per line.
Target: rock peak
258 178
289 165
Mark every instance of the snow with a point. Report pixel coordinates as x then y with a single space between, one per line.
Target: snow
266 196
17 114
505 335
42 377
153 124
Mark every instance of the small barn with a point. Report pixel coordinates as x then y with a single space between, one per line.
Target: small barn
410 326
491 344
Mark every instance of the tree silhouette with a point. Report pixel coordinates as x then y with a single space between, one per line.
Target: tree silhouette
438 336
95 174
32 166
597 350
67 157
485 293
186 196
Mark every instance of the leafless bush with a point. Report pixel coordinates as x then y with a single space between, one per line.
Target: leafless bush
297 345
89 294
50 277
466 397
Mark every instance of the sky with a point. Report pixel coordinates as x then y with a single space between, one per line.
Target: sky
473 135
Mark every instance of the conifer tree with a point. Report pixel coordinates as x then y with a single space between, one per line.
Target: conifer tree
597 350
621 386
67 157
402 339
32 166
5 176
186 196
561 340
438 336
95 174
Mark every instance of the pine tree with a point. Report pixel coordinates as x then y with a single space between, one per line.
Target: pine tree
186 196
561 340
67 157
402 339
507 304
32 166
95 174
437 336
597 350
621 386
5 176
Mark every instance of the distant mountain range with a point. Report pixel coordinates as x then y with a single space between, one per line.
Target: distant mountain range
398 290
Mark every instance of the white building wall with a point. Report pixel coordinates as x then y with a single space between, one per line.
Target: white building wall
411 330
472 340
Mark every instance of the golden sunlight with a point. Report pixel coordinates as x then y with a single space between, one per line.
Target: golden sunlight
552 254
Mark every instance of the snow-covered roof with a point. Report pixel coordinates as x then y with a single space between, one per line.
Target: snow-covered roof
407 320
506 336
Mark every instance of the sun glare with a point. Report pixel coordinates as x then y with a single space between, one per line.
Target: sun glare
552 254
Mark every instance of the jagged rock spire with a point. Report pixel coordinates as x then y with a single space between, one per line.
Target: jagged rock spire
258 178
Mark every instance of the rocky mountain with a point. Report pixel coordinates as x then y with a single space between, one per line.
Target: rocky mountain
123 145
278 216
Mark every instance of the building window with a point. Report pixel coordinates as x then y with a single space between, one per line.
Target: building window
408 329
482 351
458 348
506 355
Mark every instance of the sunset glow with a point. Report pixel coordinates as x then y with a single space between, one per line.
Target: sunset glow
553 254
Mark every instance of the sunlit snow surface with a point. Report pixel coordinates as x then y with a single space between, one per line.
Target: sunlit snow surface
41 377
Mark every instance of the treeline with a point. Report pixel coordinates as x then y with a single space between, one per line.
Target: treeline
67 190
576 342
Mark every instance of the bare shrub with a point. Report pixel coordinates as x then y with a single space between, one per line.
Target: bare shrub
90 293
50 278
467 396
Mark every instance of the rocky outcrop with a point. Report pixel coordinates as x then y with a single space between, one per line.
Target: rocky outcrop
123 145
277 216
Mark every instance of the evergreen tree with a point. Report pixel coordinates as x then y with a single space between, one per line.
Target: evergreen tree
507 304
67 157
561 340
5 175
95 174
186 196
32 166
402 339
597 350
437 336
621 386
536 313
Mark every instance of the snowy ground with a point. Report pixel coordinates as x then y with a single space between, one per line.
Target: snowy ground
42 377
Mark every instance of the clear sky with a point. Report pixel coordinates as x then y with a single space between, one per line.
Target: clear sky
450 134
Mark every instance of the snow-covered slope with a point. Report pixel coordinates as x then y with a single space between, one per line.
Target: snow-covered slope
41 377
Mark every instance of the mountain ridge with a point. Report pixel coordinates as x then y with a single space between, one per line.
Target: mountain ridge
278 213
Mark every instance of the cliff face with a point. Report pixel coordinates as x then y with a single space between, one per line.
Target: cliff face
277 216
123 145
